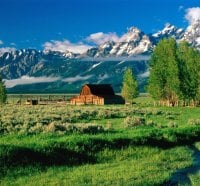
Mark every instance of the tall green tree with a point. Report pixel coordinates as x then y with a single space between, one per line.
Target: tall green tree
3 94
164 72
189 72
129 86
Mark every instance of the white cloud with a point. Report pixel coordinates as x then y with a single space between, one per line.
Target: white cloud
192 14
76 78
7 49
24 80
1 42
100 37
65 45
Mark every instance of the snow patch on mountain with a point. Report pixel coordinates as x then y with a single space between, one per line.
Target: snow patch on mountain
95 65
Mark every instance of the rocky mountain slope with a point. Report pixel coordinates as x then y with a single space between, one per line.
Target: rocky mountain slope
33 71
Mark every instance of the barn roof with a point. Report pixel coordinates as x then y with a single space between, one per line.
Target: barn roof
101 89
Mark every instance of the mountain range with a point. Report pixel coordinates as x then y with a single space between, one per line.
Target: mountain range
33 71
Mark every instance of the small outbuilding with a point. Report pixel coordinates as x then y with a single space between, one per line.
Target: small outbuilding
31 102
97 94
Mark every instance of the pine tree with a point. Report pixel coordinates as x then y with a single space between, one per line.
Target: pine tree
164 79
3 94
129 86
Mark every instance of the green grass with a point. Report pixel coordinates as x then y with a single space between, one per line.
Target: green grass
40 145
138 165
195 178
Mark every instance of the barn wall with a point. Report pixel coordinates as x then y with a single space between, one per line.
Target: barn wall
90 99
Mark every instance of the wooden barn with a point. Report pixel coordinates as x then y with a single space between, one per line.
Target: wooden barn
97 94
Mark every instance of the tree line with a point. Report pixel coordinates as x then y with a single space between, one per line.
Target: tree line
174 74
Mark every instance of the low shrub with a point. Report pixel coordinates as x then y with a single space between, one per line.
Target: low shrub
90 129
172 124
150 123
172 117
157 112
194 121
109 126
81 128
55 127
132 121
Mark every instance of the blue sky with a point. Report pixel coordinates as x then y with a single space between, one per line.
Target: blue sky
37 23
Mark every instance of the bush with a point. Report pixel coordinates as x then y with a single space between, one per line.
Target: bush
150 123
133 121
90 129
55 127
194 121
172 117
74 128
172 124
157 112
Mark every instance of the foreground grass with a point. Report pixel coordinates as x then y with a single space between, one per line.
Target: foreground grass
107 159
133 165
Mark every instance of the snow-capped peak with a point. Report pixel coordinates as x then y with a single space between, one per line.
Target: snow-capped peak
134 41
133 34
169 31
133 30
192 34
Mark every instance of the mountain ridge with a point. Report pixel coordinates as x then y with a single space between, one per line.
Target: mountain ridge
104 63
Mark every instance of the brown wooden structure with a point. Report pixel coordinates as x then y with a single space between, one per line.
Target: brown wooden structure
98 94
31 102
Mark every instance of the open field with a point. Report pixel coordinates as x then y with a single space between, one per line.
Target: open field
99 145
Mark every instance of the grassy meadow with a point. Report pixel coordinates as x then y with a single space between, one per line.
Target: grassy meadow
61 144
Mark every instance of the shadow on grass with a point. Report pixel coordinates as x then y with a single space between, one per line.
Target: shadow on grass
181 176
15 156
